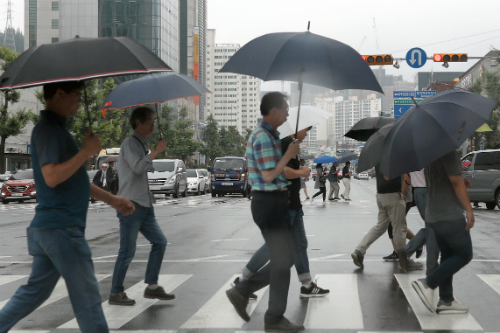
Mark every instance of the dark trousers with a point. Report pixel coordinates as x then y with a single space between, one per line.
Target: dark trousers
270 213
322 189
455 245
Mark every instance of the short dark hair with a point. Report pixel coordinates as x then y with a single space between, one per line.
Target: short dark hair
271 100
141 114
50 89
348 162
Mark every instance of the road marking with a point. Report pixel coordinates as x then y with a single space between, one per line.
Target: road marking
26 331
5 256
142 331
429 320
218 312
60 291
117 316
492 280
114 255
327 257
4 279
229 239
341 309
208 258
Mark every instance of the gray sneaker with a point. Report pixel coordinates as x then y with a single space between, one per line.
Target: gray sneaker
284 326
414 266
357 257
425 293
403 260
120 298
454 307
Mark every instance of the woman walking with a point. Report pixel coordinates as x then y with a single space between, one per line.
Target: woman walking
303 179
320 183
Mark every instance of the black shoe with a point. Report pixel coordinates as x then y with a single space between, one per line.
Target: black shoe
336 198
419 252
313 291
236 281
331 199
120 298
391 257
158 293
239 302
284 326
342 196
357 258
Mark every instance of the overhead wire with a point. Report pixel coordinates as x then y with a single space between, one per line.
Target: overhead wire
475 43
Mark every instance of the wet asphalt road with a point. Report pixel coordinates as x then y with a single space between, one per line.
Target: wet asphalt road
211 239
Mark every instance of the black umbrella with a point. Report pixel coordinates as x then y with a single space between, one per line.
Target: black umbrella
80 59
303 57
346 158
307 157
372 151
431 129
366 127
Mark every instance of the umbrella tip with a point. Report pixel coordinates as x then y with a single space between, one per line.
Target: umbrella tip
308 25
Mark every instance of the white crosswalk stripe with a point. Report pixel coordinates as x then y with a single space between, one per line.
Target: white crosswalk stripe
341 310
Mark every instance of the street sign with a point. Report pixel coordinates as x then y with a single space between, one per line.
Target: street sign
425 93
481 145
407 101
399 110
415 94
416 57
403 94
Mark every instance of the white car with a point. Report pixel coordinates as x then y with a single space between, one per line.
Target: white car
206 174
363 175
196 181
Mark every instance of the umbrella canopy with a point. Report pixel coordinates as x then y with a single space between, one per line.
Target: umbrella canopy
433 128
372 151
303 57
325 159
113 158
366 127
307 157
311 116
80 59
153 89
347 158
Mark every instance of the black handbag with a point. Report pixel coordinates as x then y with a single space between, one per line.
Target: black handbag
322 178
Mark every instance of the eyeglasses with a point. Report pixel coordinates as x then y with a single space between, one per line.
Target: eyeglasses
79 93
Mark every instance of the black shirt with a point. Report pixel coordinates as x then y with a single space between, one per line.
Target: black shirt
345 172
387 186
294 187
332 175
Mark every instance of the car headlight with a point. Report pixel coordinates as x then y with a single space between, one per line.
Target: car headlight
213 177
172 180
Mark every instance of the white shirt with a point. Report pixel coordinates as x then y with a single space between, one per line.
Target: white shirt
418 179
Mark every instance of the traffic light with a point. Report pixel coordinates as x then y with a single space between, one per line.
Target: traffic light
378 59
450 57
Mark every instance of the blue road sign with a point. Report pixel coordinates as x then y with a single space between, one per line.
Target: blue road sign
403 94
416 57
399 110
415 94
425 93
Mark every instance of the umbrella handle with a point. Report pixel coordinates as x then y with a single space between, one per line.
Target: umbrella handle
86 102
298 109
158 119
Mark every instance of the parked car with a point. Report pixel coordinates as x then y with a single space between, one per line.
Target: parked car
363 175
206 174
168 177
483 170
5 177
19 187
196 181
229 175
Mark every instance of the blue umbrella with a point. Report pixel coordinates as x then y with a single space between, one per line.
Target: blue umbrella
325 159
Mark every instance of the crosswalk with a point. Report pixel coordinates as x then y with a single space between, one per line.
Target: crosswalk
344 309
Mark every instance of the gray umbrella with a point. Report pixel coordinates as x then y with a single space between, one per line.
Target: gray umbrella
431 129
372 151
303 57
346 158
366 127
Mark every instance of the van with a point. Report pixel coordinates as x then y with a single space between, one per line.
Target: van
229 175
168 177
483 169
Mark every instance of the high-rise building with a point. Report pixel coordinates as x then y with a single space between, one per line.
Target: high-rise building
41 22
78 18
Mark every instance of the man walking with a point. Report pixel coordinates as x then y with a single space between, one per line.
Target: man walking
334 183
133 164
447 199
270 212
391 209
346 180
56 235
101 177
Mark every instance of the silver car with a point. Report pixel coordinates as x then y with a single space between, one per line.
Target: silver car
206 174
168 177
196 181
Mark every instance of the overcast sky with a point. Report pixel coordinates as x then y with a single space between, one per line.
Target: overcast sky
399 25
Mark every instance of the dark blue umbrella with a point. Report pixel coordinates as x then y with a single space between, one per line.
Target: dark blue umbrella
431 129
346 158
366 127
325 159
372 151
303 57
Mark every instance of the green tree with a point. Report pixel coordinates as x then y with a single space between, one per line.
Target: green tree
182 144
165 123
211 138
237 142
11 123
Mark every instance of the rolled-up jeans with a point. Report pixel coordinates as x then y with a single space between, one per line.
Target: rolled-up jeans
270 213
391 209
301 260
56 253
455 244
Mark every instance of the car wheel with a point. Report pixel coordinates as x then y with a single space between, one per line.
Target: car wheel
490 205
497 198
176 191
197 191
5 202
185 193
213 195
21 201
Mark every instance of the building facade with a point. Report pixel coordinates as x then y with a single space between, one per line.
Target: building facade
78 18
41 22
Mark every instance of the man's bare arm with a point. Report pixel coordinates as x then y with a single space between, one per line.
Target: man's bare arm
461 192
121 204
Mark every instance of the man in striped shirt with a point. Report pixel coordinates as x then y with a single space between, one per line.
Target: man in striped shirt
269 207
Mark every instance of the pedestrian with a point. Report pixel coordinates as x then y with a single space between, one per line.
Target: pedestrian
304 179
270 211
447 200
320 183
134 162
391 209
112 177
334 183
101 177
346 180
293 173
56 235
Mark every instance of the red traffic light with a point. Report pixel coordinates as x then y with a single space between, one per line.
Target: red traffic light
378 59
450 57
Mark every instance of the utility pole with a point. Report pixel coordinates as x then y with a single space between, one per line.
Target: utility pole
8 37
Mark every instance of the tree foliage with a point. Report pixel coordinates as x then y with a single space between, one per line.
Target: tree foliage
163 122
182 144
211 139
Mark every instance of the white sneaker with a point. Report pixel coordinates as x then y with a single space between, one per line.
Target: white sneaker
454 307
324 203
425 293
312 200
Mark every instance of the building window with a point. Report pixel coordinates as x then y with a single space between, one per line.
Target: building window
55 24
32 23
55 40
55 6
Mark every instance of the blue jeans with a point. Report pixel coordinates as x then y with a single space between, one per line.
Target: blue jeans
301 260
142 220
456 252
56 253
